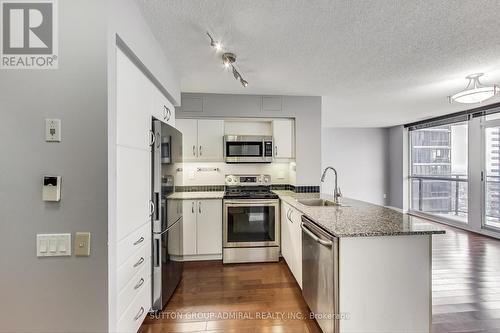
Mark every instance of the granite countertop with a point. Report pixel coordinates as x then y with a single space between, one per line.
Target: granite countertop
196 195
358 218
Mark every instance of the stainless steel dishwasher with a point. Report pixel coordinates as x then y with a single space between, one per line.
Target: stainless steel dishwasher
320 274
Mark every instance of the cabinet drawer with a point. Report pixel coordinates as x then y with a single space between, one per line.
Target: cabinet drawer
133 242
133 287
133 265
134 315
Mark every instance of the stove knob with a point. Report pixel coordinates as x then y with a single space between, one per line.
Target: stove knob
266 180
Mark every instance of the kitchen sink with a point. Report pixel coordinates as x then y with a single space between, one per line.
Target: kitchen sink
316 202
320 203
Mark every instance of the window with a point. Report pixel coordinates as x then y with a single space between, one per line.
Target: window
491 167
439 171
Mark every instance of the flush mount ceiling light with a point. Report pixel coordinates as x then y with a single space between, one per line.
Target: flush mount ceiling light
475 92
228 60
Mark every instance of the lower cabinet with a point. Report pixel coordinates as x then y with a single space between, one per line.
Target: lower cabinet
202 229
291 240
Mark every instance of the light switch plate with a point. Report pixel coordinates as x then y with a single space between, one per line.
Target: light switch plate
53 245
82 244
53 130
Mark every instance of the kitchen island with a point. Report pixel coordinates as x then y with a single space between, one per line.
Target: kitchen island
380 264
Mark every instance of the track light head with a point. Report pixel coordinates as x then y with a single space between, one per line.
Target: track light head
215 44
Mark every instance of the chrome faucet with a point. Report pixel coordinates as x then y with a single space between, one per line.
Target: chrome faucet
336 191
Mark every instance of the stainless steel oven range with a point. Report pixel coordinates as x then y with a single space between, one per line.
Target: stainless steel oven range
251 220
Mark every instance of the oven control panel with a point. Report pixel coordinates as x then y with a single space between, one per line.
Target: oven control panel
248 180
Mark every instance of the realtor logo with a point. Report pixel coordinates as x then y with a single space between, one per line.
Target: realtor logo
29 34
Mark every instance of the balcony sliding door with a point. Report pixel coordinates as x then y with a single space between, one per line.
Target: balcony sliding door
439 171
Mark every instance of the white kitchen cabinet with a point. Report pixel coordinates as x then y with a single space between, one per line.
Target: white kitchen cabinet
209 227
284 138
210 140
132 100
202 230
189 227
133 189
202 139
291 240
161 108
189 130
286 242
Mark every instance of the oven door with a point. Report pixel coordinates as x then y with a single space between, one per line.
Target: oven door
238 149
251 223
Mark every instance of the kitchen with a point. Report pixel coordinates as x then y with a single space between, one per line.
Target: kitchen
240 167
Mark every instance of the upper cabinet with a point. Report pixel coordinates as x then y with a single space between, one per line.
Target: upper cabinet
132 98
284 138
161 108
202 139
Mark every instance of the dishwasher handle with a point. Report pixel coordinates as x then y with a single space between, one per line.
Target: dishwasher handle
316 238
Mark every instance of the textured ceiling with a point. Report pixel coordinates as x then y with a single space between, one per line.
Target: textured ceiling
376 63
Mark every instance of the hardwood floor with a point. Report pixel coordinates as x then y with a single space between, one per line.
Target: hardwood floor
465 283
260 293
465 278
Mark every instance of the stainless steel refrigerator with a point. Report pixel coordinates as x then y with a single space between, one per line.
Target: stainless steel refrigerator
167 214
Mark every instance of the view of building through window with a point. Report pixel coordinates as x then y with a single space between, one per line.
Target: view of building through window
492 177
439 171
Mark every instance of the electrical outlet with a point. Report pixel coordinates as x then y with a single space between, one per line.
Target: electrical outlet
53 130
82 244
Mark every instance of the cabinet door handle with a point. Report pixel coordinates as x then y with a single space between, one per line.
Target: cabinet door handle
289 215
194 150
168 113
139 314
138 263
275 151
139 241
139 284
200 151
152 209
152 139
192 207
199 207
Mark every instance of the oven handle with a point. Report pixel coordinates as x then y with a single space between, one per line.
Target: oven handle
251 202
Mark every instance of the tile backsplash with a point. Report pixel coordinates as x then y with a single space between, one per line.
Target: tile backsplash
218 188
210 173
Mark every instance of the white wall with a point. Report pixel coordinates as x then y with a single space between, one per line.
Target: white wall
361 158
305 109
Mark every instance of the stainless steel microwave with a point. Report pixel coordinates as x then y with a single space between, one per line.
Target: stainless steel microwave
248 149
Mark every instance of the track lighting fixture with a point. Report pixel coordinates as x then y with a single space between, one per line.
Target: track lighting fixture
228 60
215 44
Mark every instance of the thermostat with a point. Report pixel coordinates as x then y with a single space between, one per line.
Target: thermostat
51 189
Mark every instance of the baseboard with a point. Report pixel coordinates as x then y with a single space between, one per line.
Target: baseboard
201 257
